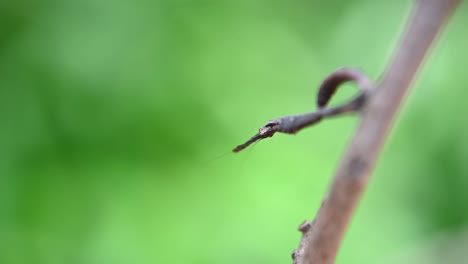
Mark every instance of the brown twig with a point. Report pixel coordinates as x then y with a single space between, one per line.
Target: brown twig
320 242
321 239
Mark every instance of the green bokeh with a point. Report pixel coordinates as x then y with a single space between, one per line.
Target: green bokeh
118 117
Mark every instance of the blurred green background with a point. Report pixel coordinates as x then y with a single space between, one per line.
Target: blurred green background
118 118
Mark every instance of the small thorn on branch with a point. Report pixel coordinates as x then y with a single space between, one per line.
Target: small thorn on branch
305 226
